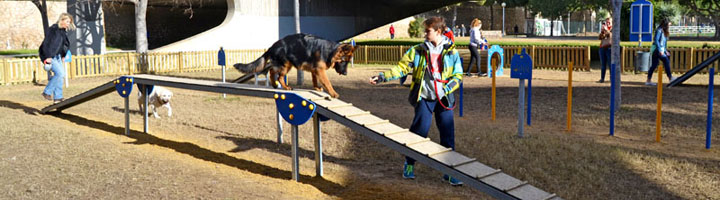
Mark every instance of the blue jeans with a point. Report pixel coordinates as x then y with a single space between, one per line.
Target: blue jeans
55 84
666 63
604 61
443 120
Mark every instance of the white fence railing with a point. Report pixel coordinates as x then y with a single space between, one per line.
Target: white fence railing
691 29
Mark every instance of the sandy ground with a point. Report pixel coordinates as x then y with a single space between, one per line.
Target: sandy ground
215 148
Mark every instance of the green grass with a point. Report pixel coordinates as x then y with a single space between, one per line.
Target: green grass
18 51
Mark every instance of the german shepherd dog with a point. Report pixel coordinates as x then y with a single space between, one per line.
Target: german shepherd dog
305 52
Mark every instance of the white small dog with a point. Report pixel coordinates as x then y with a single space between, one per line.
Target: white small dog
158 97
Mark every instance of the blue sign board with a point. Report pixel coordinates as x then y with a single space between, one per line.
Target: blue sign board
521 66
293 108
221 57
641 21
493 50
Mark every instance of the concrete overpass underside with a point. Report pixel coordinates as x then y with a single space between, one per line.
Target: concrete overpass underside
256 24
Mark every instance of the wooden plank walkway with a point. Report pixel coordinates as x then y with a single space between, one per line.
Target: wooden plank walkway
475 174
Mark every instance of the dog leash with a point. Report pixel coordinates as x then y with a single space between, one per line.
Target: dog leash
432 78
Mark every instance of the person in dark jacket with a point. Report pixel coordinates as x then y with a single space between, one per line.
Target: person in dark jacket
51 51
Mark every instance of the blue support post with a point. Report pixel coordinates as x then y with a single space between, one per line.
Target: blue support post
612 99
461 99
529 101
711 86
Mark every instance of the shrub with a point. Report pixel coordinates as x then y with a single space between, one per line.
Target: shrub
416 27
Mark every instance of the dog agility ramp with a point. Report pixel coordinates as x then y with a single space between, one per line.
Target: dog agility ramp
695 70
81 98
473 173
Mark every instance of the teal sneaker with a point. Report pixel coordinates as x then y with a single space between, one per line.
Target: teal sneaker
453 181
408 171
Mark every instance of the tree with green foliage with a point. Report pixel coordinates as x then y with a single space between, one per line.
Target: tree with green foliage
416 27
707 8
663 10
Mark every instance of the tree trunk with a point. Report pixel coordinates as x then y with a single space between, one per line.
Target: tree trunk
615 60
492 18
141 34
454 16
300 73
43 14
717 30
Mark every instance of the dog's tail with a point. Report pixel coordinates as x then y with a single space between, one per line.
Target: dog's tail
255 66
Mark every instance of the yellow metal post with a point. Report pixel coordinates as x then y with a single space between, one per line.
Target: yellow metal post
569 97
658 118
493 74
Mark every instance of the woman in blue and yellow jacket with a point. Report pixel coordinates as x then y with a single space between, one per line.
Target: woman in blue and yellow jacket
437 72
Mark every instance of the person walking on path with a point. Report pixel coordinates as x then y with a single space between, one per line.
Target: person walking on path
53 48
605 47
476 42
660 52
392 32
437 72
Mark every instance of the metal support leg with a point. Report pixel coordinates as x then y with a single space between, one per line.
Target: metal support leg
223 78
255 74
278 118
127 115
521 107
318 146
295 165
145 112
267 80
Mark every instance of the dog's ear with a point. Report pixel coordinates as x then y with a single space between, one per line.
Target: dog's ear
347 48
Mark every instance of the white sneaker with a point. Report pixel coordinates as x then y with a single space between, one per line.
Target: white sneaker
650 84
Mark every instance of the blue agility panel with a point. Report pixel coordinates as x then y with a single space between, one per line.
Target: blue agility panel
123 85
221 57
641 21
521 66
495 49
293 108
149 87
